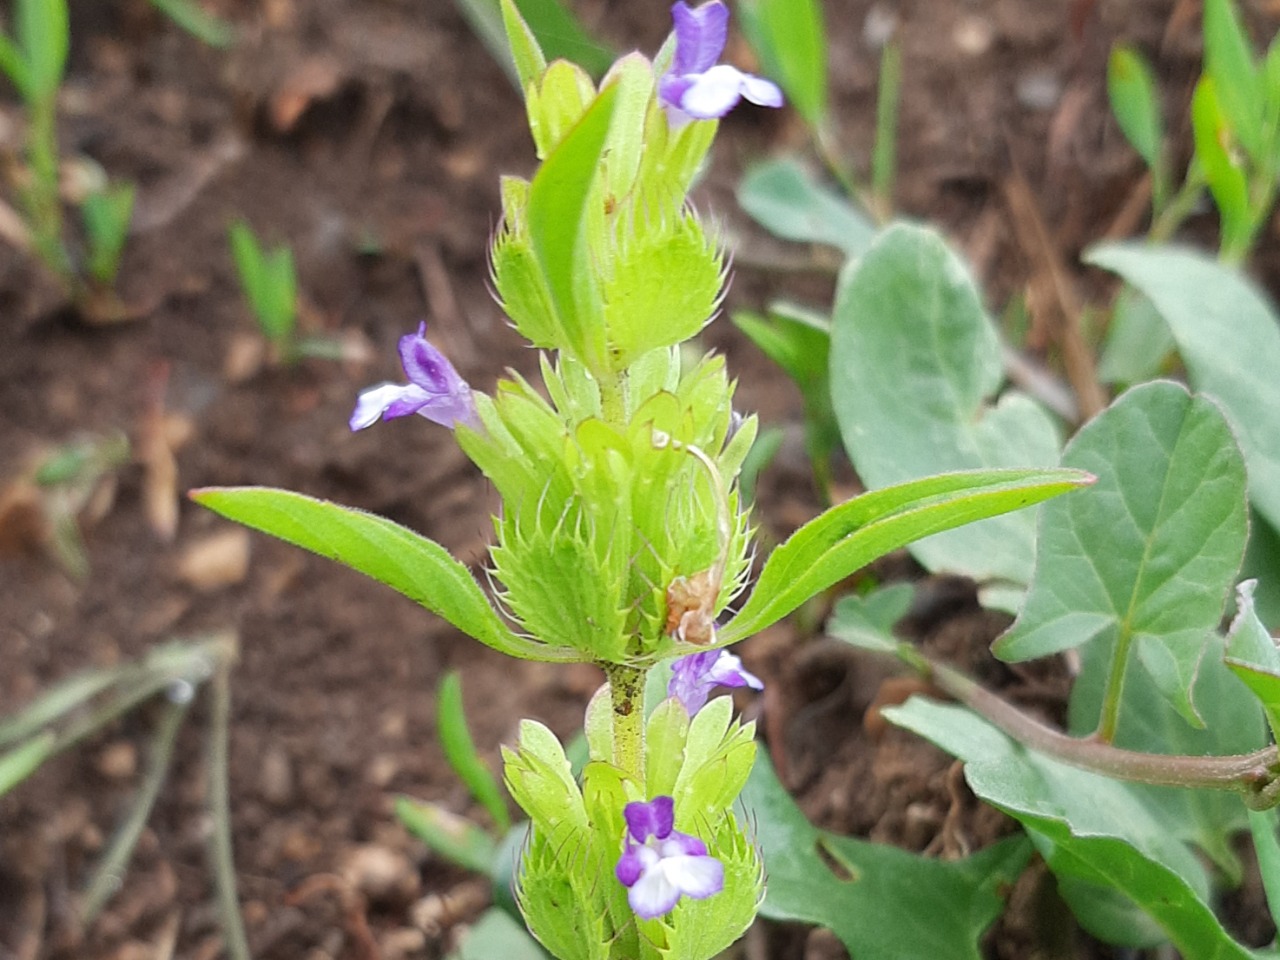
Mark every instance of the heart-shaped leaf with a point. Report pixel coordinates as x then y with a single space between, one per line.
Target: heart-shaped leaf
1143 563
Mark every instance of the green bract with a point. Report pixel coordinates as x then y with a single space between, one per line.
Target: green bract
565 886
600 517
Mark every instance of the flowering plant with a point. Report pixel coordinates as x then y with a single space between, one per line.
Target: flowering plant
622 539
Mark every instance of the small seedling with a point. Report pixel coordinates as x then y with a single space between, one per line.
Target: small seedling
270 286
35 59
191 17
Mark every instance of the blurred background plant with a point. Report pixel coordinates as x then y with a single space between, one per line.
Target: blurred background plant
80 707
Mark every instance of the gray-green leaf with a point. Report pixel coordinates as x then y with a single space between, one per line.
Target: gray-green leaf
785 199
915 360
1229 338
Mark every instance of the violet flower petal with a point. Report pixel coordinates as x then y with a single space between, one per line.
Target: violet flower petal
717 91
701 33
695 676
696 87
634 862
653 819
664 864
662 885
435 390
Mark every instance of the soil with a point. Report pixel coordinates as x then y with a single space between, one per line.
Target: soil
369 136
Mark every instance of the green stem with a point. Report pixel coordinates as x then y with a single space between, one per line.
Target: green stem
1109 718
613 401
1176 210
1255 776
220 853
43 203
626 695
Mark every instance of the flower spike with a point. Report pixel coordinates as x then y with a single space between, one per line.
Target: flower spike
661 864
695 676
696 86
435 390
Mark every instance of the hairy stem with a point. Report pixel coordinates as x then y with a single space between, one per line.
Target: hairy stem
613 403
626 695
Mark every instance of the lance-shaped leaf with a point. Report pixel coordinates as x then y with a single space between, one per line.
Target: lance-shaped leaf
792 43
874 901
847 537
1135 101
1144 562
1229 338
419 568
914 362
1253 656
561 219
1089 828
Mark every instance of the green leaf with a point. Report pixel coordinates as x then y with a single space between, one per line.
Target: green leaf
1262 823
791 41
14 64
1229 339
200 23
269 282
496 934
460 751
516 34
106 222
1233 724
1253 656
786 200
1262 563
876 896
1087 827
1223 169
1136 104
800 343
540 779
867 621
884 155
25 759
419 568
453 837
43 34
559 215
915 360
847 537
1229 63
527 57
1138 341
1143 561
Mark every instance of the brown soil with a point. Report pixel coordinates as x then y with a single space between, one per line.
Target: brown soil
370 136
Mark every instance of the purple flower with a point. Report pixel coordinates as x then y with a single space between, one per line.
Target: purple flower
695 676
661 864
696 86
434 390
